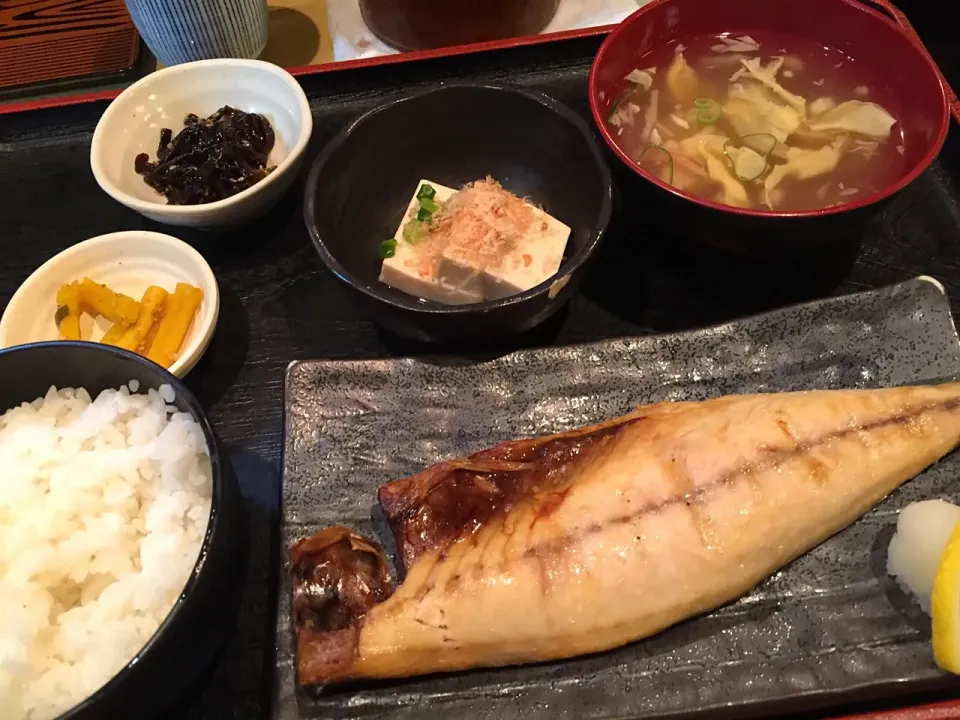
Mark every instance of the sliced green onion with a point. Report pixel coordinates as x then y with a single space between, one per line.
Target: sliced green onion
431 206
387 249
414 232
619 101
708 111
426 192
424 215
747 164
747 167
658 158
763 143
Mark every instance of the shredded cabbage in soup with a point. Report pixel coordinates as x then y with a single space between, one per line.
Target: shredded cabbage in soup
745 123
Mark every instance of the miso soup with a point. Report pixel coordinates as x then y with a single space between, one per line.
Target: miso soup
759 120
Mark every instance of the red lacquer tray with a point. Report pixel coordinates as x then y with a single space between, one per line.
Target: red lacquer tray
941 711
344 65
415 56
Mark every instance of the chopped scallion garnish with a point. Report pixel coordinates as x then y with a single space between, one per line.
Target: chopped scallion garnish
388 248
414 232
763 143
747 163
424 215
708 111
619 101
431 206
657 160
426 192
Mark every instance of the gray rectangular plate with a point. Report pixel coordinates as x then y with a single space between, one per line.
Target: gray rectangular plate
829 627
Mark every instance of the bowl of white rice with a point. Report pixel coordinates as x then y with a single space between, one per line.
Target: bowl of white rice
121 535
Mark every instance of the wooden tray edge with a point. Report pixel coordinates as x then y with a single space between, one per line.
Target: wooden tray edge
308 70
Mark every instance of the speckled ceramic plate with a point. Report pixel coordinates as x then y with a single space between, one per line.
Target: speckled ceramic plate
830 627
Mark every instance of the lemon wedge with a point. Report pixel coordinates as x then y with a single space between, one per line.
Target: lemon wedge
945 606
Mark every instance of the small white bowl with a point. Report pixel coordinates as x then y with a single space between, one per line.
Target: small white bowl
128 263
132 123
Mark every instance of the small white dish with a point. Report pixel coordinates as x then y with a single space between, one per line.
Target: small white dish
132 123
128 263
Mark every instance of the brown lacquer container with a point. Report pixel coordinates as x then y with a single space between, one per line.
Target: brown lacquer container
426 24
51 40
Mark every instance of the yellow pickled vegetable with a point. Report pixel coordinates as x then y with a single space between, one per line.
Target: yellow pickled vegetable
151 308
181 307
69 326
113 335
68 297
144 347
103 301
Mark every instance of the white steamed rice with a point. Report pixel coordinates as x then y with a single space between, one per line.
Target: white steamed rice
103 508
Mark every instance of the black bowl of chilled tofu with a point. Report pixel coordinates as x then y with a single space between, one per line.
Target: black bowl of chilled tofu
462 214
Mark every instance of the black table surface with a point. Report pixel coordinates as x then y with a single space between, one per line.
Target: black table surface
278 304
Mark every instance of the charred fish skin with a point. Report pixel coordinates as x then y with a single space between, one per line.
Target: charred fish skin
431 510
549 548
337 576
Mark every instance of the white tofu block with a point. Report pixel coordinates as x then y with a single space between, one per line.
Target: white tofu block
537 257
403 271
457 278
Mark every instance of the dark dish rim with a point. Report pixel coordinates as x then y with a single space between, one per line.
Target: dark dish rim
893 188
217 478
411 303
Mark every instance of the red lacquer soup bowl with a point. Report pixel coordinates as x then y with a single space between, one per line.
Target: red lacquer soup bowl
895 59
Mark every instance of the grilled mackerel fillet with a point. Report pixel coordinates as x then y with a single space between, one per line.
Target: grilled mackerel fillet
575 543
